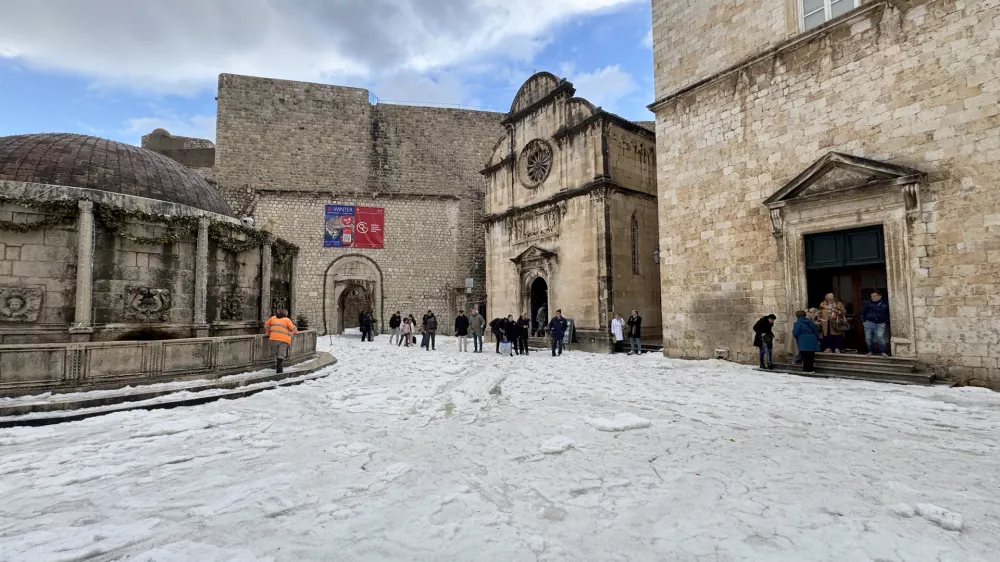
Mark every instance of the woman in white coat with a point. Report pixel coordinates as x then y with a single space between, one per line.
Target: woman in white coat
617 332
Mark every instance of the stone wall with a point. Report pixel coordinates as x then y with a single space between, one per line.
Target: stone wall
286 149
39 269
696 40
917 85
636 291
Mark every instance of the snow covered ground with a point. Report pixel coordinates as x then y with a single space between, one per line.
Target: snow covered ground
403 454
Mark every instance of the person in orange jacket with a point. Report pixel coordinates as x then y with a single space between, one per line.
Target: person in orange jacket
280 331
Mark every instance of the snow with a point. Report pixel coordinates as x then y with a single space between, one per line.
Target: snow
404 454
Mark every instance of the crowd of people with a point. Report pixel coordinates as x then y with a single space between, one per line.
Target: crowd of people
822 329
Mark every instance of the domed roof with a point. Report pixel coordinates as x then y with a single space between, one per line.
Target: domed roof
95 163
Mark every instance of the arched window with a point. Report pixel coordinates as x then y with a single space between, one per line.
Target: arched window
635 246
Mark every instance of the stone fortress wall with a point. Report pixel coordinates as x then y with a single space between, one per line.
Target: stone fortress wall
285 149
914 83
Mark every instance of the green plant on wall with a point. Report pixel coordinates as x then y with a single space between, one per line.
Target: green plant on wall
54 213
116 220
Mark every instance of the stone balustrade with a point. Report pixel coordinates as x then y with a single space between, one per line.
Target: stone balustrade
74 367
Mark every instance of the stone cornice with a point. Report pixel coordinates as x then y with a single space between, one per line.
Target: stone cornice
358 194
781 48
492 169
585 189
563 88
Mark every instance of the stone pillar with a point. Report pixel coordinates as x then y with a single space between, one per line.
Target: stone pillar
265 280
201 279
82 322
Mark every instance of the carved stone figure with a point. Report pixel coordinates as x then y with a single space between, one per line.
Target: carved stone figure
231 305
20 304
145 304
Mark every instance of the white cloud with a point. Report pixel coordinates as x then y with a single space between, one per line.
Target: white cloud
180 46
605 87
647 40
198 126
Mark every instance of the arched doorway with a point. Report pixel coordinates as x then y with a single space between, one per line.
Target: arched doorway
539 299
354 300
353 282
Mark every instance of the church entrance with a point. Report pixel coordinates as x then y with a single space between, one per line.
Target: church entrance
353 301
850 264
539 300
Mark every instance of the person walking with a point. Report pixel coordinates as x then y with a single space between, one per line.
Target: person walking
874 317
394 322
557 327
523 330
635 333
540 319
763 337
806 336
834 317
405 330
462 331
280 329
617 332
430 329
477 326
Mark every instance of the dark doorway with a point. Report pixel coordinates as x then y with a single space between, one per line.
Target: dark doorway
354 300
539 299
850 264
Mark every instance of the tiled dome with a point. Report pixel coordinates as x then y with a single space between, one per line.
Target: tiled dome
95 163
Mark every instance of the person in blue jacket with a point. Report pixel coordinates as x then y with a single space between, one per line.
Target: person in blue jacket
874 316
806 335
557 327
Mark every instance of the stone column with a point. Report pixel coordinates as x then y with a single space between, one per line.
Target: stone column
265 280
82 322
201 279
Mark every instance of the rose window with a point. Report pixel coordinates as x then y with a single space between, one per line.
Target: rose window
536 162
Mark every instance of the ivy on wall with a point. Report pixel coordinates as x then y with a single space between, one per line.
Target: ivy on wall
115 219
55 213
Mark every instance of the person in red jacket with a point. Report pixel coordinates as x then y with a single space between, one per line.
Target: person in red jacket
280 331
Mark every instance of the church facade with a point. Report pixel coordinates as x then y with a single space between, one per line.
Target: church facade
843 146
571 215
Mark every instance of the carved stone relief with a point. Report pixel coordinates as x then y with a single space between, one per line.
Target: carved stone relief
146 304
535 225
278 303
20 304
231 305
535 163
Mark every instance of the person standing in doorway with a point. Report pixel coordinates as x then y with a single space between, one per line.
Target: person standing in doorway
541 318
617 332
394 323
635 333
875 316
806 336
477 326
523 329
763 337
430 328
280 329
833 314
405 330
462 331
366 326
557 328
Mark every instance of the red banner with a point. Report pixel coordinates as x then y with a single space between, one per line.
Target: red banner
369 227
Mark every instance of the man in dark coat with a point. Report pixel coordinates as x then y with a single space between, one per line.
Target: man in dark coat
763 338
366 326
394 322
874 317
523 327
462 330
496 328
557 327
510 330
430 328
635 333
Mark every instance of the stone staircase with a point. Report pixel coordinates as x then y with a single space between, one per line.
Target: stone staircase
648 345
895 370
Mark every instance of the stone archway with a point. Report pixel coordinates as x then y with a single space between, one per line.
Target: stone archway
355 299
538 298
343 276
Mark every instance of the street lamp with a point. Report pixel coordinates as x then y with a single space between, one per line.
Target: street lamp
656 256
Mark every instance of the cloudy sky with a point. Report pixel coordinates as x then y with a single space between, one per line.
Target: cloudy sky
120 68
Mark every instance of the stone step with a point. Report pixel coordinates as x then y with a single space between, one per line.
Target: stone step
846 363
867 374
862 358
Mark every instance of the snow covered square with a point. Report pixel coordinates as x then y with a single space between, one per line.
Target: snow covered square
405 454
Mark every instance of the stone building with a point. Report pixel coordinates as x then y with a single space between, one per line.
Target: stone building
807 146
571 217
284 150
